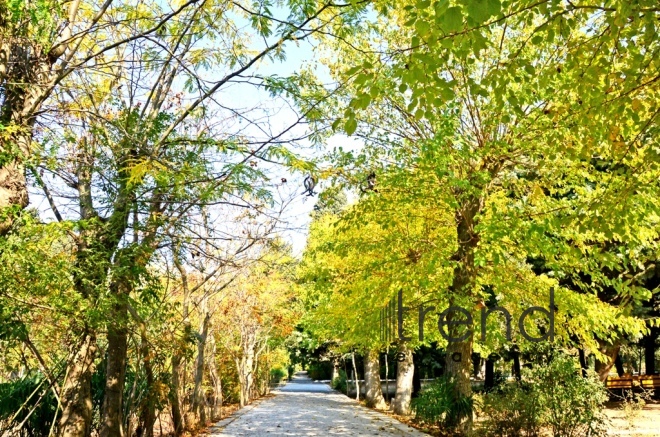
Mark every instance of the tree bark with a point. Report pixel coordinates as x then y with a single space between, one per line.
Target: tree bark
387 373
459 353
476 365
516 366
179 353
404 381
618 364
148 413
199 404
112 417
335 369
458 364
27 77
175 403
217 382
583 362
244 367
20 66
355 377
374 394
148 407
649 351
13 192
489 378
77 390
603 367
417 377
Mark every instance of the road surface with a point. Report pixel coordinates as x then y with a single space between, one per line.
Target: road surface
307 408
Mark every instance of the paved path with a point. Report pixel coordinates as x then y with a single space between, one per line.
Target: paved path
307 408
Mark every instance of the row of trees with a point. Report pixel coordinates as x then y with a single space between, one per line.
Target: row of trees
510 148
142 265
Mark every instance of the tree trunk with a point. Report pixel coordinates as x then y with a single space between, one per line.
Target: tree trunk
618 364
458 364
516 366
649 351
175 402
355 377
148 414
387 373
244 366
148 409
404 380
476 365
217 382
489 378
335 369
20 66
459 353
374 395
13 192
199 404
112 414
179 353
583 362
77 391
27 78
417 377
603 367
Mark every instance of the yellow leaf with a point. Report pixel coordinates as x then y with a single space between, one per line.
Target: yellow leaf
614 132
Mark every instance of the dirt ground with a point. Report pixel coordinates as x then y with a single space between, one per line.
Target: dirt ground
645 423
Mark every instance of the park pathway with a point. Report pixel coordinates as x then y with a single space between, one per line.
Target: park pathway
307 408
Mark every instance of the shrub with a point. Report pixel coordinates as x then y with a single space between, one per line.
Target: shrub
512 411
437 404
339 383
553 396
632 405
320 370
277 374
572 403
27 390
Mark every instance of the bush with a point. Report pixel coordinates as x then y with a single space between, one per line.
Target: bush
553 396
277 374
320 371
573 403
339 383
27 391
437 404
512 411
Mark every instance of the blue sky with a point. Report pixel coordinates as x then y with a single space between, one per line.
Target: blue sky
244 96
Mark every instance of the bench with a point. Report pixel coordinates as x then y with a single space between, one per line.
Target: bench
647 382
619 382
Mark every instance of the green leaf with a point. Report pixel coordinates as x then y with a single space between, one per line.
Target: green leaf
452 20
482 10
422 27
350 126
